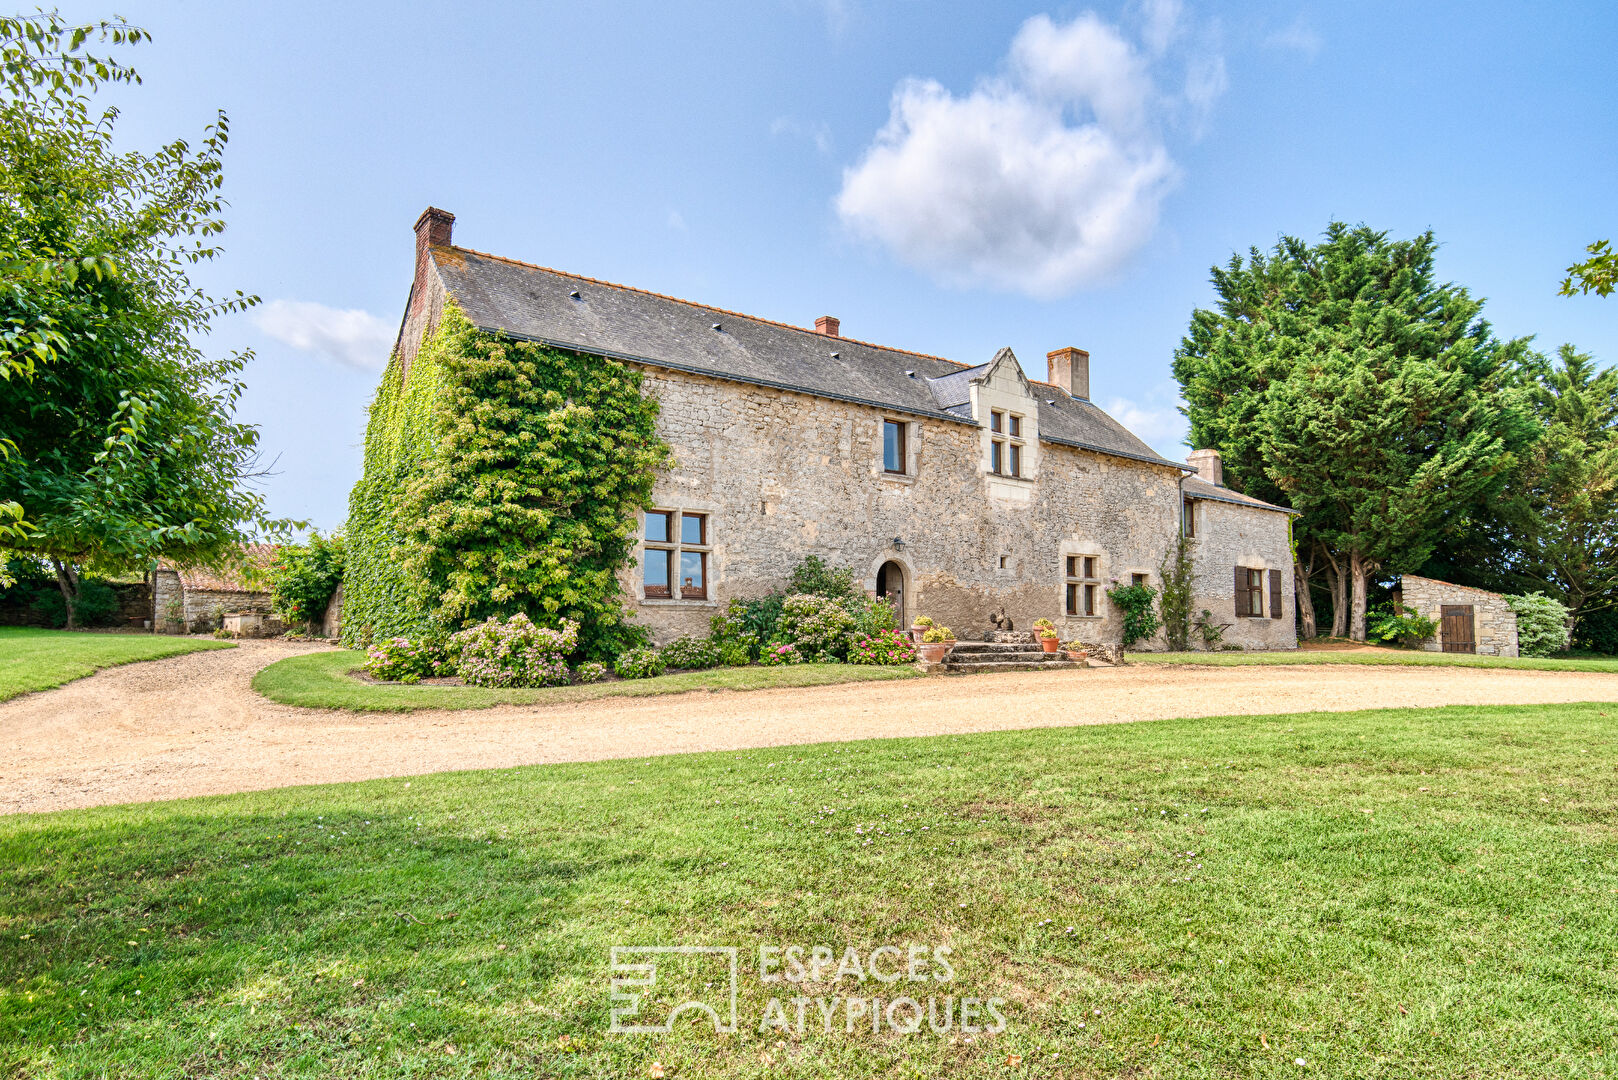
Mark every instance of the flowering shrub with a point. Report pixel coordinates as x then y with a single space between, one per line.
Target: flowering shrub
734 653
591 671
514 652
872 616
402 660
884 647
1541 624
688 652
777 653
817 626
642 663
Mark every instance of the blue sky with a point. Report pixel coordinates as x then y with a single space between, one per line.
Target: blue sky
949 178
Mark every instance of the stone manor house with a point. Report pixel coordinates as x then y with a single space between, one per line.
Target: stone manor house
959 490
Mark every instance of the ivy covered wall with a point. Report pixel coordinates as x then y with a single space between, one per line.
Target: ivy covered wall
500 476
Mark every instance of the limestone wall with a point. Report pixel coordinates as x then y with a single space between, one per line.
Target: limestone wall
1494 624
1228 536
785 475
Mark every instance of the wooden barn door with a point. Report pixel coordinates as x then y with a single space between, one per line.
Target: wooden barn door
1458 635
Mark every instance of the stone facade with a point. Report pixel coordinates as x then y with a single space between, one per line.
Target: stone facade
1228 535
782 475
1494 624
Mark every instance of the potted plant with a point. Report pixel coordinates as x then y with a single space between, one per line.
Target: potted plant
1076 650
1049 639
919 628
936 642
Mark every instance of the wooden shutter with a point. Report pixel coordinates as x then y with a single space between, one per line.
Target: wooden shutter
1275 594
1242 595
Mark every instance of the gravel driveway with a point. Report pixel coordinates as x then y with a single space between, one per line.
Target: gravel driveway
190 725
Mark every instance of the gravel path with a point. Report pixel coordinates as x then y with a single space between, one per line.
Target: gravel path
190 725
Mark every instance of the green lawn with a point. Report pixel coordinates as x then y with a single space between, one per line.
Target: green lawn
322 681
1410 658
40 659
1390 894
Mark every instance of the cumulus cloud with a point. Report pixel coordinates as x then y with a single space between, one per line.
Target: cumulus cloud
353 338
1043 179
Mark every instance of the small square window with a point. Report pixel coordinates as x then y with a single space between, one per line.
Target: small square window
1002 562
694 529
657 526
1137 579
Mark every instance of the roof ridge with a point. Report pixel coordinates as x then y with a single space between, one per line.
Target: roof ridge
698 304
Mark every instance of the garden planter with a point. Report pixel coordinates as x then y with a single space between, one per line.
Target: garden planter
933 652
1079 655
1050 644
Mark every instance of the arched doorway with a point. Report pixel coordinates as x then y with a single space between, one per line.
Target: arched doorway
890 582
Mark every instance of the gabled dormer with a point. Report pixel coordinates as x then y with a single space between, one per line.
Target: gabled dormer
998 398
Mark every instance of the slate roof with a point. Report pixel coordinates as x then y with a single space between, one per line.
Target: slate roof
1197 488
579 313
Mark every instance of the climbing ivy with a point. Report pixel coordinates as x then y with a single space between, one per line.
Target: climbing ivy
500 477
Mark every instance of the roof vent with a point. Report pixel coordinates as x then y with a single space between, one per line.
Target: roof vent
574 294
716 326
910 373
834 356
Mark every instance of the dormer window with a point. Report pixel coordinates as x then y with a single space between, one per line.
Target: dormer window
1005 444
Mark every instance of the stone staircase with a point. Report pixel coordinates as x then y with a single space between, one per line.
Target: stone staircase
969 656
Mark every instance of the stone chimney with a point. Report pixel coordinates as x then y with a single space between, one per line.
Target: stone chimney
826 324
1069 368
1209 466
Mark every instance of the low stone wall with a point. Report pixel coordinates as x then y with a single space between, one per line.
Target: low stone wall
1494 623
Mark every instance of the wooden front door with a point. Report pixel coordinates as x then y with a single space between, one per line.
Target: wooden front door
1458 635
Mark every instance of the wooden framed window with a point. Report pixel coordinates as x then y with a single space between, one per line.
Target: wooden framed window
1083 586
894 448
1188 517
1137 579
1005 453
1249 592
674 554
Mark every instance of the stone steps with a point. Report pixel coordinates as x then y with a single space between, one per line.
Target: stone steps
1062 664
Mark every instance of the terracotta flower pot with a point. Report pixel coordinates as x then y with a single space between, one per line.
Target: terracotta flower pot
1050 644
1078 654
933 652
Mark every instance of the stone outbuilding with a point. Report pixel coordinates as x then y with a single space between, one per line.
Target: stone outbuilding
1469 620
195 600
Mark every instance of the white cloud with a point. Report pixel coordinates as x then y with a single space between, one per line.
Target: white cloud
677 221
1299 37
353 338
1041 181
1158 423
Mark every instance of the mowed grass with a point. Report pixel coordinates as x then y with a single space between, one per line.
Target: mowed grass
1412 658
324 680
1402 893
33 659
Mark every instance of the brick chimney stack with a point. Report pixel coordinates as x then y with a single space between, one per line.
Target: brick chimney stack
1069 368
1209 465
433 229
827 324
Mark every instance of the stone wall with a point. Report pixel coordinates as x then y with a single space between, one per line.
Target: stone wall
1227 536
331 624
784 475
1494 624
196 611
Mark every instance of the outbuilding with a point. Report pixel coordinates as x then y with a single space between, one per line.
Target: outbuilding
1469 620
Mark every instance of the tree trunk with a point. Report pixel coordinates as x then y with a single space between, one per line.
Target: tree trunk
1339 595
1306 603
67 579
1360 570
